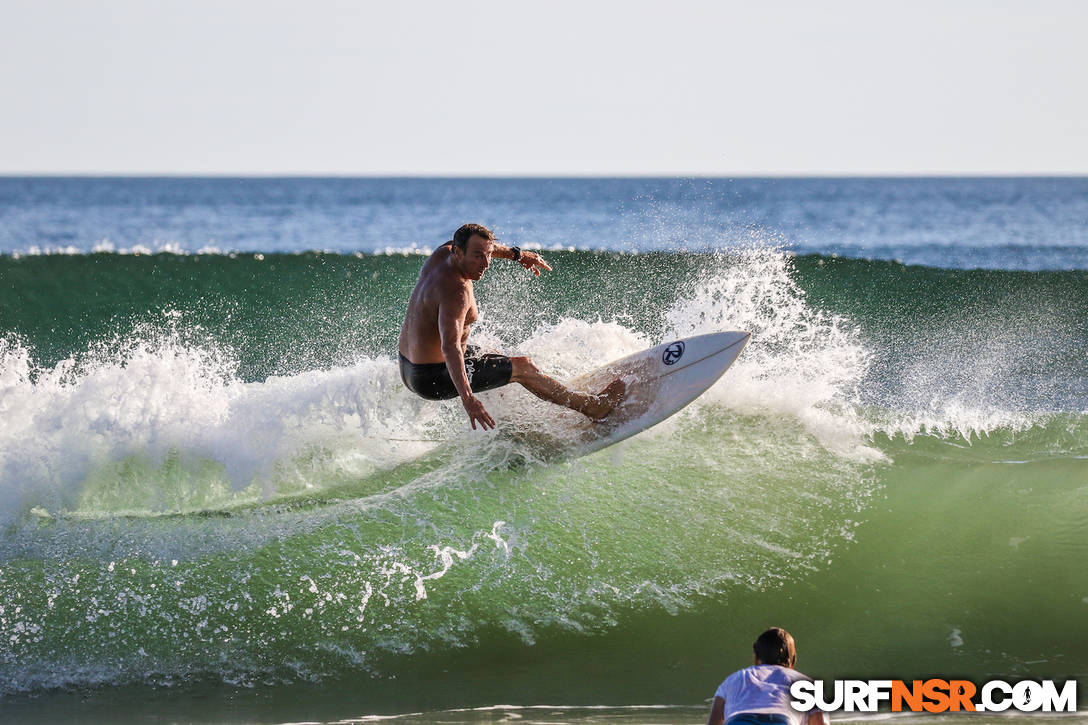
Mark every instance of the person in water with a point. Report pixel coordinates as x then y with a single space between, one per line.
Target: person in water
436 361
760 694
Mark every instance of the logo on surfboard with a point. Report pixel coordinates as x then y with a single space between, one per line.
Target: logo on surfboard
673 353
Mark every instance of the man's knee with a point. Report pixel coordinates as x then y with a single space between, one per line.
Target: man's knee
523 364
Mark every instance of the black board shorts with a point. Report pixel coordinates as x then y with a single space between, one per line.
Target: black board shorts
432 380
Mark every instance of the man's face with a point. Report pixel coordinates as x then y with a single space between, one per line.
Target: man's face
477 257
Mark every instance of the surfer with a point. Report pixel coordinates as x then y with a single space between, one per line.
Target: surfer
436 361
760 695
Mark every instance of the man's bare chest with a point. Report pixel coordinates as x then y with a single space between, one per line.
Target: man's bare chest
473 312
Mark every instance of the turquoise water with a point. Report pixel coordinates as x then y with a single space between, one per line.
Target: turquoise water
219 502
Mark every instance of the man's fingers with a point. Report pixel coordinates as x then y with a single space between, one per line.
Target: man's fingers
534 261
477 412
486 421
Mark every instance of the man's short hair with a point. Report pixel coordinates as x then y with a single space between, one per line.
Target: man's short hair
462 235
775 647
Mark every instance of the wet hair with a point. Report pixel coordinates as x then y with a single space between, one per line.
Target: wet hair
775 647
462 235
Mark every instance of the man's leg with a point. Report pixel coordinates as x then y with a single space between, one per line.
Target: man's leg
592 406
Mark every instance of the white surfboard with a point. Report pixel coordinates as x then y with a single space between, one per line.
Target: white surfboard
660 382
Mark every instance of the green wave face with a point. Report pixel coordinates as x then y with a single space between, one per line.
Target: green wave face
210 473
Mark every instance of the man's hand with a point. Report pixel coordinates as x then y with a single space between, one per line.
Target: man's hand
476 412
534 262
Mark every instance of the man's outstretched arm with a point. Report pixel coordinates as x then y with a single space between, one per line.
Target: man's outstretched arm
451 323
527 259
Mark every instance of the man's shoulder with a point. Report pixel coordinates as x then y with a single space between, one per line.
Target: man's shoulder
435 273
445 286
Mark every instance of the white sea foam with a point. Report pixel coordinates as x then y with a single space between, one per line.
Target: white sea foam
814 366
158 396
155 394
801 362
105 246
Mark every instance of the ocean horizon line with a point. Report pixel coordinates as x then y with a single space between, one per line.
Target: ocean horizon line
535 176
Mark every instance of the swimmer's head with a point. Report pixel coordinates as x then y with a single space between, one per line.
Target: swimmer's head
775 647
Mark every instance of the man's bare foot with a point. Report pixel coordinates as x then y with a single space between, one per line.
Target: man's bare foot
600 405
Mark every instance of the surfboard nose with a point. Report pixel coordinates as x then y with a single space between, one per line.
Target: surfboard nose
721 340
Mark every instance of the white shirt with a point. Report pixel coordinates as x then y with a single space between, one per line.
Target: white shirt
761 689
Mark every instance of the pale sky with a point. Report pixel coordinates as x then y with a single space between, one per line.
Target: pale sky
551 88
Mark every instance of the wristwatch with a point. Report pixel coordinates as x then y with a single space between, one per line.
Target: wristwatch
517 253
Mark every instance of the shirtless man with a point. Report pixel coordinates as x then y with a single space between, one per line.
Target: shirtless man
436 361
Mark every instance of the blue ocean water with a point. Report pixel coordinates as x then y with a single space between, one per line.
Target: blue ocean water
993 223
